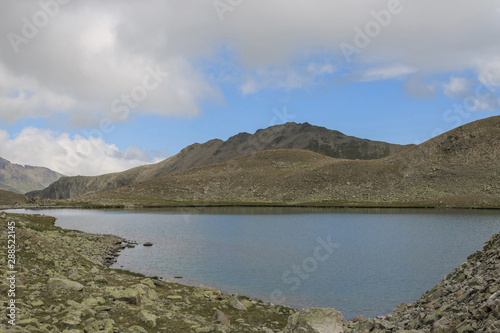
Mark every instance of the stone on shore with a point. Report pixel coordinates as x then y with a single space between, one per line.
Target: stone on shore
136 329
316 320
222 318
56 284
235 303
148 318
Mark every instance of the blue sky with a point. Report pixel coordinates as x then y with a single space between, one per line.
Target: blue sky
89 87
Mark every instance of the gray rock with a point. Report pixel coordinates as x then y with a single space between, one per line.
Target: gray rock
129 295
358 319
235 303
136 329
148 318
316 320
56 284
222 318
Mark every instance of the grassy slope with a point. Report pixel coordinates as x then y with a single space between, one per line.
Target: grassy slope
286 136
459 168
10 198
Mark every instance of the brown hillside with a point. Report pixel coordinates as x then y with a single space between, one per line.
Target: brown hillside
8 199
286 136
458 168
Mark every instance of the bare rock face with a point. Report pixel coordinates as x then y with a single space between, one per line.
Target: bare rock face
316 320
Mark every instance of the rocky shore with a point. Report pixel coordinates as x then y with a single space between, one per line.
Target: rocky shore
63 284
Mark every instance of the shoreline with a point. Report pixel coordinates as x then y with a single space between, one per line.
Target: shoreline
79 205
64 282
467 300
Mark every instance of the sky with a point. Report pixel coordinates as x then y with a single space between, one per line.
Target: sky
97 86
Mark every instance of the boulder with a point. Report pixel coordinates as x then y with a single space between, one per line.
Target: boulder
148 282
235 303
358 319
136 329
221 317
129 295
148 318
56 284
316 320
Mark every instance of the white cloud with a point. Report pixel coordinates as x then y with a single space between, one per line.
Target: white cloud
479 95
68 155
489 73
83 59
457 87
320 69
91 52
385 73
287 79
418 87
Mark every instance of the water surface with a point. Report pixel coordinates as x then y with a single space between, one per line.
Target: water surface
379 257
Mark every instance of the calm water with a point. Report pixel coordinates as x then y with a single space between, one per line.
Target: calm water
359 261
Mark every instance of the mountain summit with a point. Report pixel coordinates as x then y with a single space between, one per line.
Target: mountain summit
459 168
286 136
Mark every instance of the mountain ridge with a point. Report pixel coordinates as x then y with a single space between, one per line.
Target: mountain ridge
21 179
459 168
285 136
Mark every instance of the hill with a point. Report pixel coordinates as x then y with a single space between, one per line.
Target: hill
287 136
21 179
459 168
8 199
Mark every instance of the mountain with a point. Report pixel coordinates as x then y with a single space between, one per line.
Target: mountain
287 136
21 179
460 168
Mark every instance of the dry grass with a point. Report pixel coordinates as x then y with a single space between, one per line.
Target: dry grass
457 169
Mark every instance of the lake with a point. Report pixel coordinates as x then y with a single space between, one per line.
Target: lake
358 261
